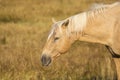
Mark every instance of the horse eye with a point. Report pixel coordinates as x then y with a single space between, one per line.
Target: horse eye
56 38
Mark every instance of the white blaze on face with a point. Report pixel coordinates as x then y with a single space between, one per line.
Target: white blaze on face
79 21
50 34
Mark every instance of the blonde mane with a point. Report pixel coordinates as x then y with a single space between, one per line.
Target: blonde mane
100 8
78 22
101 5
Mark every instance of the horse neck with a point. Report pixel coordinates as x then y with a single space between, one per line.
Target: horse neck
95 26
96 30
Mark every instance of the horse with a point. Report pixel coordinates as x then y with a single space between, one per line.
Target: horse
100 24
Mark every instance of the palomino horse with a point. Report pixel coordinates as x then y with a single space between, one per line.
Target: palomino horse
101 25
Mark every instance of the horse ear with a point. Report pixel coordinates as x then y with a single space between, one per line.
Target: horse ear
65 24
53 20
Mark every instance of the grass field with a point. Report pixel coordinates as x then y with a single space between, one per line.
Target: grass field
24 26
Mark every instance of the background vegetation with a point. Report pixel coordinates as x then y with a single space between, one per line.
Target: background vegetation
24 26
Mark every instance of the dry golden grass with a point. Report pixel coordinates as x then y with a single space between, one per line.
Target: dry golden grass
24 26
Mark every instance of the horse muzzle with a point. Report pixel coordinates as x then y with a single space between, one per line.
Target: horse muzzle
46 60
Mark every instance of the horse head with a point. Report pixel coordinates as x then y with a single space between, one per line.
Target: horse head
58 42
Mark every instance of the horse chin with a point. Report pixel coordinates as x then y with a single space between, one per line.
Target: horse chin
57 55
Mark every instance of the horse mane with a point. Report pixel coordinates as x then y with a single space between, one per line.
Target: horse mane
97 6
101 5
100 8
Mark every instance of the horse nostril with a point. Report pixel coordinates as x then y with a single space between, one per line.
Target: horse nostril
46 60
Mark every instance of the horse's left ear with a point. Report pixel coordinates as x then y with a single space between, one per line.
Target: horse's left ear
65 24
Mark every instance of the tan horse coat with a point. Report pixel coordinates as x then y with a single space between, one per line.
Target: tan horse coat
101 24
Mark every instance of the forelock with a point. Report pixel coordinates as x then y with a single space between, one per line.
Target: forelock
55 26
